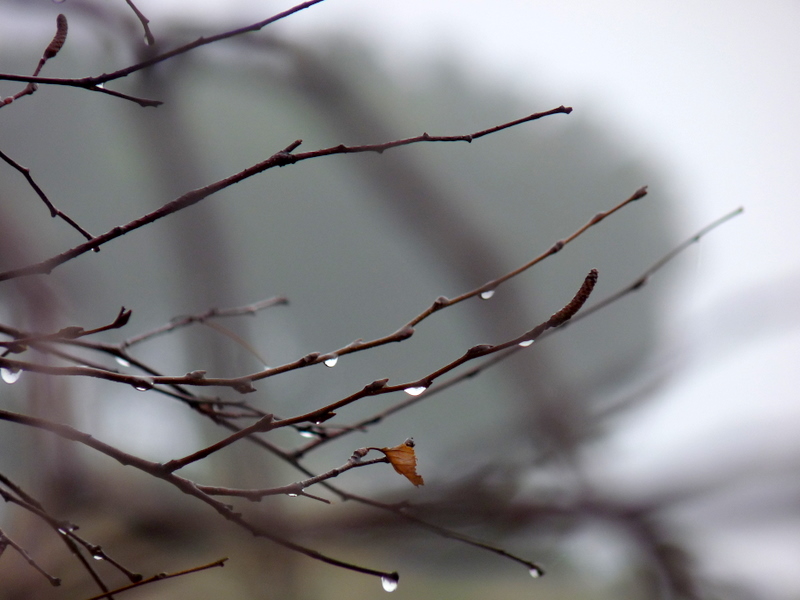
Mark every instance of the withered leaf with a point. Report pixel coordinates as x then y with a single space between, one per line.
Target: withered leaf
404 461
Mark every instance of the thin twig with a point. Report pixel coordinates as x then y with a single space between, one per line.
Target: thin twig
5 540
279 159
186 486
183 321
54 212
638 283
148 35
293 489
162 577
97 84
50 52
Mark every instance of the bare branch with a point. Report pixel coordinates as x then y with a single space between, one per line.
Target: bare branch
96 84
148 35
7 541
54 212
186 486
161 577
279 159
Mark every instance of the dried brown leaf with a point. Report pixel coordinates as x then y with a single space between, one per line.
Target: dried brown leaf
404 460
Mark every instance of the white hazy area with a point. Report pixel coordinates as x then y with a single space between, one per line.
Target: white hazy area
709 92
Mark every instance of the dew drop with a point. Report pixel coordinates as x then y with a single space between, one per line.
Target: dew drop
415 391
97 556
307 434
331 362
122 362
535 572
389 582
525 344
487 294
292 495
10 375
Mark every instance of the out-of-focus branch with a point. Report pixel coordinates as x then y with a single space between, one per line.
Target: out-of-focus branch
183 321
97 84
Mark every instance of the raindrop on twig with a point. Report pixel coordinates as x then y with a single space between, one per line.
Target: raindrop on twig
415 390
389 582
487 294
10 375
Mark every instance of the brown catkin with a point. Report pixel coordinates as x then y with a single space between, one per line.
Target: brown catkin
566 313
59 38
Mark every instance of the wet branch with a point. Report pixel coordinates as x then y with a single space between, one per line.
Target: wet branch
279 159
161 577
186 486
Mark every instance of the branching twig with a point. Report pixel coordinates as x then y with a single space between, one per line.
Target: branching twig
50 52
97 84
54 212
293 489
178 322
637 284
161 577
186 486
20 344
279 159
148 35
7 541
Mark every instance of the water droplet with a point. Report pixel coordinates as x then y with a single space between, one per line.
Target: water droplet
415 391
389 582
307 434
122 362
535 572
487 294
292 495
526 343
97 556
142 385
331 362
10 375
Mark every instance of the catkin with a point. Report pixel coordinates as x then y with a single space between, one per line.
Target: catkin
566 313
58 40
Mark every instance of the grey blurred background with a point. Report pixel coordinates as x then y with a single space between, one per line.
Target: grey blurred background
538 455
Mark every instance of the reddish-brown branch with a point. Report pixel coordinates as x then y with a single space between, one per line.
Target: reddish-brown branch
186 486
161 577
148 35
54 212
